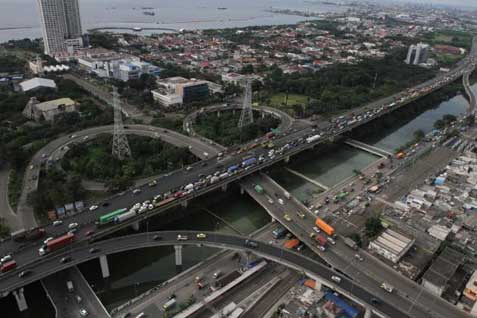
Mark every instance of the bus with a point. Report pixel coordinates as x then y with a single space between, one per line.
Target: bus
109 217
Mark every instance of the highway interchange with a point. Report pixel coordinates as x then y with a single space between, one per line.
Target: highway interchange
27 254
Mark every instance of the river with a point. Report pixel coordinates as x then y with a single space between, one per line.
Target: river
187 14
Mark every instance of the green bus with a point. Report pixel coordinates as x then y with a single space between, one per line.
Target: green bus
107 218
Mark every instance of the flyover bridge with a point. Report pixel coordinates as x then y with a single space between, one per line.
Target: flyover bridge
410 297
83 252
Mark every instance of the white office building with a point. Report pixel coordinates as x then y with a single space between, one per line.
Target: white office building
60 25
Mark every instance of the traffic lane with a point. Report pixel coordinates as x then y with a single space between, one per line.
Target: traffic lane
345 261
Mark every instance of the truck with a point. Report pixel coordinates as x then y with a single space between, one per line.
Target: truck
258 188
188 187
351 243
325 227
169 304
321 240
125 216
56 243
287 195
249 162
7 266
23 235
109 217
279 232
69 286
291 244
214 179
312 138
232 169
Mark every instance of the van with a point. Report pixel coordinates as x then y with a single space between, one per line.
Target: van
336 279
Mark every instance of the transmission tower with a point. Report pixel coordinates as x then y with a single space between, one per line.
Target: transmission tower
246 117
121 148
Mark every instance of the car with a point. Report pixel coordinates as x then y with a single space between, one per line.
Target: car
322 248
136 191
89 233
73 136
65 259
93 250
182 237
156 238
336 279
57 223
281 201
359 257
24 273
375 301
47 240
6 258
93 207
316 229
152 183
83 312
332 242
287 217
387 287
73 225
270 201
201 236
105 204
72 231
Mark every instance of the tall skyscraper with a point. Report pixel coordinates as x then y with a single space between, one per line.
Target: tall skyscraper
417 54
60 25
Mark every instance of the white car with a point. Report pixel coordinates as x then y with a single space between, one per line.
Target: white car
93 207
182 237
336 279
281 202
57 223
317 230
83 312
72 226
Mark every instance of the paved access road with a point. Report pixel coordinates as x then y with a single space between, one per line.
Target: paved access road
56 149
409 296
82 253
6 212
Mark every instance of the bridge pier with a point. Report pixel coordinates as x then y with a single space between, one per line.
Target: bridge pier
135 226
263 115
20 298
178 257
224 187
103 262
218 114
287 159
242 190
368 312
185 203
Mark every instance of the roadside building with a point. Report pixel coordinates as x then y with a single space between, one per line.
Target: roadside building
166 98
48 110
391 245
189 90
468 302
37 83
436 278
233 78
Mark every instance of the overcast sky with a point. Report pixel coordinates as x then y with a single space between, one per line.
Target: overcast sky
455 3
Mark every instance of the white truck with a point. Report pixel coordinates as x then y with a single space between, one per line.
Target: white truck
69 286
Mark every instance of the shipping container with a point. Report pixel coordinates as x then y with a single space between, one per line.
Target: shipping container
57 243
325 227
249 162
290 244
109 217
125 216
164 202
8 266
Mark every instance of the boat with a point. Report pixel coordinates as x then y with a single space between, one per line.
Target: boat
221 8
137 29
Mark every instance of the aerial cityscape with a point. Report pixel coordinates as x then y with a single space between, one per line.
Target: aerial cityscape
238 159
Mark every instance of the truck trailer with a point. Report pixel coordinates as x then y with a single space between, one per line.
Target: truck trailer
56 243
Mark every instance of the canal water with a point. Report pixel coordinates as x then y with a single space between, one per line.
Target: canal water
137 271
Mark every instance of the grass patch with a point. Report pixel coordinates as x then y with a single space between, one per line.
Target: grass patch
280 101
15 183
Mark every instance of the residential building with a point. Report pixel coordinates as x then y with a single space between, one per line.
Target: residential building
48 110
469 296
391 245
417 54
60 25
37 83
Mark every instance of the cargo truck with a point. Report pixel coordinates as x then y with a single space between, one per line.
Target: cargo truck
290 244
259 189
325 227
279 232
23 235
249 162
350 243
56 243
123 217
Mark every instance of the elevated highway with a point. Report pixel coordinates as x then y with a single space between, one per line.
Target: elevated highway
409 296
82 252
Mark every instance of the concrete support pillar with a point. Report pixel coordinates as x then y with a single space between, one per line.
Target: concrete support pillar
135 226
287 159
178 249
20 298
224 187
368 313
242 190
185 203
218 114
103 262
263 115
233 111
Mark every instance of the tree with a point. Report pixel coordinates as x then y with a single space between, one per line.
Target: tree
419 135
439 124
373 226
357 238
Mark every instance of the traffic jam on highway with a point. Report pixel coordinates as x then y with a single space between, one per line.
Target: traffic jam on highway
297 140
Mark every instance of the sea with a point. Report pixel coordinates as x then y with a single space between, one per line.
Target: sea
20 18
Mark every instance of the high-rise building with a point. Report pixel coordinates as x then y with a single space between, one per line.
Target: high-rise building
60 25
417 54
